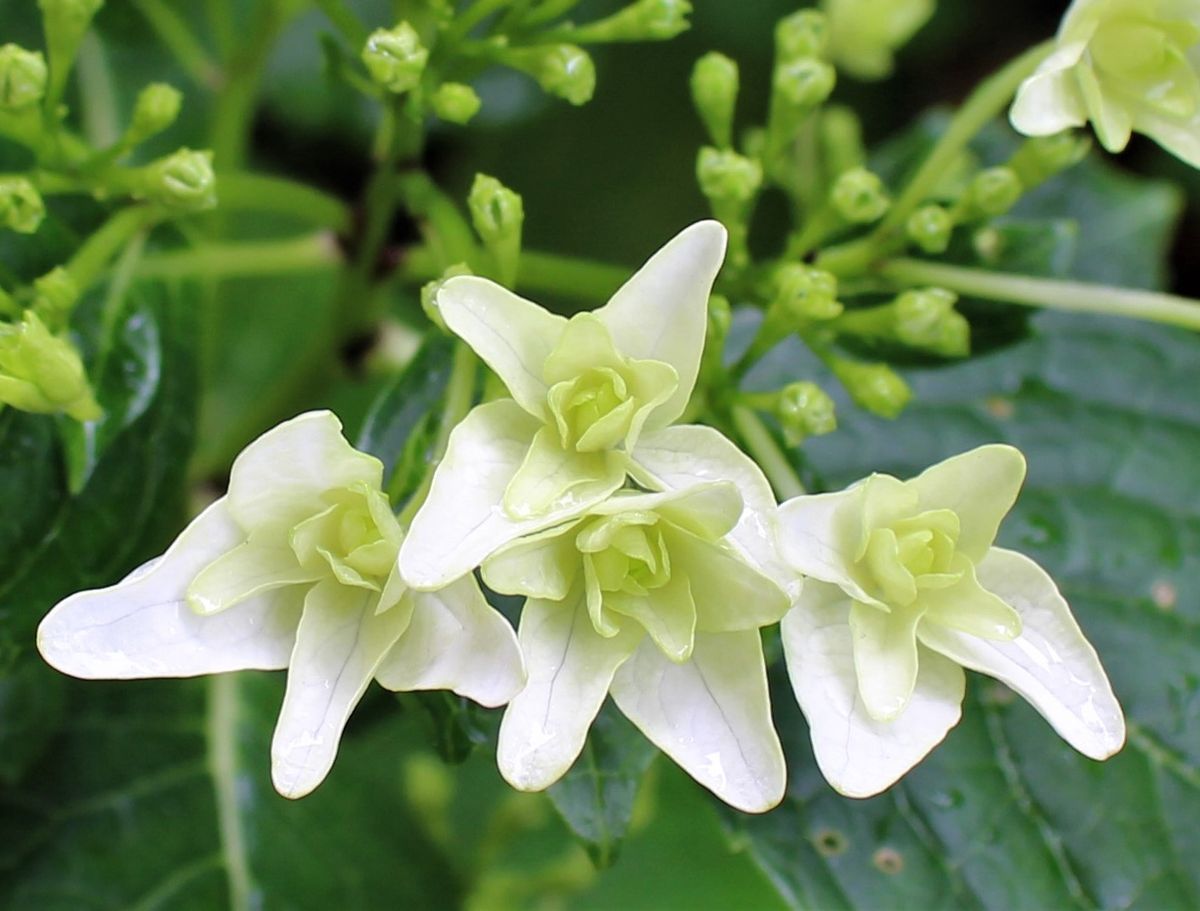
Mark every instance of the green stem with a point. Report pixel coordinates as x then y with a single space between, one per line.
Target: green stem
114 298
1051 293
762 446
177 35
344 21
257 192
578 279
99 103
460 393
310 253
92 258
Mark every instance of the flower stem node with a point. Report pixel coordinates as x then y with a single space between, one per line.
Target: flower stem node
21 206
875 387
865 34
181 182
926 318
930 228
293 568
564 70
802 35
805 293
1124 65
498 215
714 87
645 20
860 197
727 178
805 410
156 108
455 102
904 588
395 58
993 191
22 77
43 373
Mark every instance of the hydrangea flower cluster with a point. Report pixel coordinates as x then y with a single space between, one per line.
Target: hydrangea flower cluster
651 556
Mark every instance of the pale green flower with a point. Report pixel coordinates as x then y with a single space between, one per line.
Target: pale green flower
864 35
1124 65
294 568
586 392
642 597
42 372
904 589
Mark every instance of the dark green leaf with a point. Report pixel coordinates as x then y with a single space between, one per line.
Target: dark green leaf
456 725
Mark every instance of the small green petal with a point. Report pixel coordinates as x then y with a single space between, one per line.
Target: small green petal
968 607
544 565
550 476
885 658
668 614
729 593
243 572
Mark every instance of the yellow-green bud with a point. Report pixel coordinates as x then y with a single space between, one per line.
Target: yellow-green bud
561 69
930 228
645 20
805 82
714 92
55 294
430 289
805 410
802 34
498 215
806 293
727 177
860 197
182 181
455 102
875 387
21 206
994 191
42 373
22 77
156 108
926 318
395 57
1041 157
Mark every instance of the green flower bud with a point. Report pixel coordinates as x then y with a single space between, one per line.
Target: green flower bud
930 228
156 108
22 77
183 181
55 295
875 387
645 20
714 92
802 34
1041 157
806 293
926 318
561 69
994 191
860 197
498 215
865 34
727 177
395 58
455 102
430 289
804 83
21 206
42 373
805 410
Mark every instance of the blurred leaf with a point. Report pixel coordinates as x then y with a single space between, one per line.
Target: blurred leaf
596 795
456 724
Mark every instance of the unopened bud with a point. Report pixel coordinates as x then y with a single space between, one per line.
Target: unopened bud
645 20
806 293
55 294
802 34
805 410
714 92
21 206
805 82
1041 157
875 387
926 318
860 197
183 181
561 69
727 177
22 77
156 108
498 215
42 373
930 228
430 289
994 191
395 57
455 102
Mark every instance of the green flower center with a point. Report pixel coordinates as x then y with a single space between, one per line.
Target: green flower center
908 555
1149 58
356 538
625 553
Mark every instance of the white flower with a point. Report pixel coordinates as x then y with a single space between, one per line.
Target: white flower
904 589
1125 65
586 392
295 568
